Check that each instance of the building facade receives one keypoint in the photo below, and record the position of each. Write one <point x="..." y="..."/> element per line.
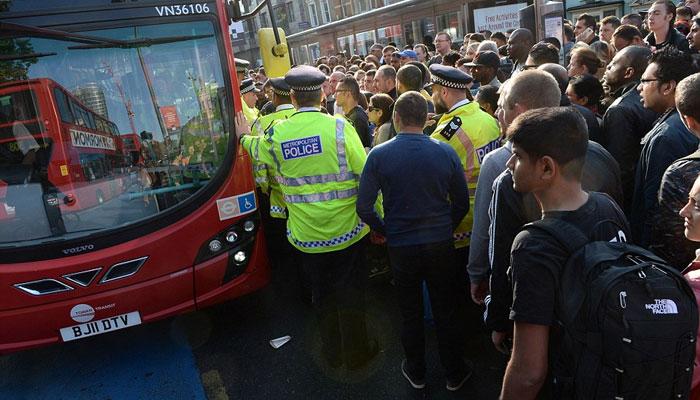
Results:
<point x="601" y="9"/>
<point x="317" y="28"/>
<point x="405" y="22"/>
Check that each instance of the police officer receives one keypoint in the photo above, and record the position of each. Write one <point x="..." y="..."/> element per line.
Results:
<point x="468" y="129"/>
<point x="248" y="99"/>
<point x="242" y="66"/>
<point x="275" y="227"/>
<point x="318" y="159"/>
<point x="283" y="109"/>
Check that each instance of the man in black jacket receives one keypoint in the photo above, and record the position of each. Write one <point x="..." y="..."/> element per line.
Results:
<point x="626" y="121"/>
<point x="667" y="141"/>
<point x="660" y="19"/>
<point x="667" y="238"/>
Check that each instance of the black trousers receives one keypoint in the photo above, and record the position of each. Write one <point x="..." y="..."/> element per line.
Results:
<point x="435" y="264"/>
<point x="338" y="285"/>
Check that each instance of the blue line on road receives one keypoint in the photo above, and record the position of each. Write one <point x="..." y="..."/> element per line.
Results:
<point x="146" y="362"/>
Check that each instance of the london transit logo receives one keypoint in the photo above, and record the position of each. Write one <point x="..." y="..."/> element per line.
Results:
<point x="82" y="313"/>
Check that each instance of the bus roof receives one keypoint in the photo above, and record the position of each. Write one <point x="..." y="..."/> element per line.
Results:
<point x="34" y="81"/>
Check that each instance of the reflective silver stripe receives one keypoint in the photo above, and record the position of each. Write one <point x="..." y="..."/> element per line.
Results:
<point x="257" y="148"/>
<point x="260" y="167"/>
<point x="316" y="197"/>
<point x="247" y="142"/>
<point x="272" y="152"/>
<point x="261" y="179"/>
<point x="313" y="179"/>
<point x="340" y="144"/>
<point x="256" y="127"/>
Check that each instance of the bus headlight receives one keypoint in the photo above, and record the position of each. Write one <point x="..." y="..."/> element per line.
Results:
<point x="215" y="245"/>
<point x="231" y="236"/>
<point x="248" y="226"/>
<point x="239" y="257"/>
<point x="237" y="237"/>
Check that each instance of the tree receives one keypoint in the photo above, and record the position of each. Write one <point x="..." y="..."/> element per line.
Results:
<point x="17" y="69"/>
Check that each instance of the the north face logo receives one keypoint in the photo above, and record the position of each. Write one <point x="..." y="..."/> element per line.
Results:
<point x="662" y="306"/>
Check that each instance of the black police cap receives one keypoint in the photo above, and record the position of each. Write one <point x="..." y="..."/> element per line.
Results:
<point x="241" y="64"/>
<point x="280" y="87"/>
<point x="305" y="78"/>
<point x="450" y="77"/>
<point x="248" y="85"/>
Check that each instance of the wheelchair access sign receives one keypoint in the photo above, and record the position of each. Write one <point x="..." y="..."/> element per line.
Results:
<point x="231" y="207"/>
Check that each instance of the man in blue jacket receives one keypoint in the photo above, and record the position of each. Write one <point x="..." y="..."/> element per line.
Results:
<point x="425" y="197"/>
<point x="666" y="142"/>
<point x="667" y="239"/>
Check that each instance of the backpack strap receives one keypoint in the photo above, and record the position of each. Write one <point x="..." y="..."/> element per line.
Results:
<point x="571" y="239"/>
<point x="569" y="236"/>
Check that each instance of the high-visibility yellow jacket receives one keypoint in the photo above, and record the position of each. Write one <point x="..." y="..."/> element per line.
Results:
<point x="426" y="95"/>
<point x="477" y="135"/>
<point x="251" y="114"/>
<point x="264" y="177"/>
<point x="317" y="161"/>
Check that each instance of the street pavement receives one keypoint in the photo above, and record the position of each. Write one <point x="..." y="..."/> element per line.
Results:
<point x="223" y="353"/>
<point x="152" y="361"/>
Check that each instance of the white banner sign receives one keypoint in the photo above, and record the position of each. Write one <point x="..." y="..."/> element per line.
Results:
<point x="498" y="19"/>
<point x="236" y="29"/>
<point x="91" y="140"/>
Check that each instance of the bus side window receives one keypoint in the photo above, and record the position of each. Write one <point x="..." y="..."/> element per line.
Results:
<point x="90" y="119"/>
<point x="85" y="117"/>
<point x="6" y="110"/>
<point x="63" y="107"/>
<point x="100" y="125"/>
<point x="113" y="128"/>
<point x="77" y="111"/>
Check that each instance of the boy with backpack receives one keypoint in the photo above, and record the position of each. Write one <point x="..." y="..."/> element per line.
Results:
<point x="601" y="318"/>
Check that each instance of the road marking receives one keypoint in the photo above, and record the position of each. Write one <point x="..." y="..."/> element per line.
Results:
<point x="214" y="385"/>
<point x="152" y="361"/>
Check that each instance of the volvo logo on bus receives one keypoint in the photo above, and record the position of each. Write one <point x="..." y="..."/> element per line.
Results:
<point x="79" y="249"/>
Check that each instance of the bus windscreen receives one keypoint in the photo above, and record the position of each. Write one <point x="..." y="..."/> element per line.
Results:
<point x="99" y="136"/>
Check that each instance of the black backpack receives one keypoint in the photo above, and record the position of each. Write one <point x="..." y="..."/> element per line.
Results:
<point x="628" y="321"/>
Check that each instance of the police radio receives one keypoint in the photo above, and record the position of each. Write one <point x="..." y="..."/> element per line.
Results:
<point x="451" y="128"/>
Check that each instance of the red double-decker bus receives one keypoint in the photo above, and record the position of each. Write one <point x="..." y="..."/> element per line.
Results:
<point x="83" y="153"/>
<point x="101" y="231"/>
<point x="132" y="148"/>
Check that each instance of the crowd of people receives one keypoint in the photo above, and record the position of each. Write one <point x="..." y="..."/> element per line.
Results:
<point x="461" y="159"/>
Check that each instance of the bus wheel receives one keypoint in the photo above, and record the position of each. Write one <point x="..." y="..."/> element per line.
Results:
<point x="100" y="197"/>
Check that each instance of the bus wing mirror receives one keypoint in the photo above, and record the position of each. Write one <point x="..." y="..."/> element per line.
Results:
<point x="235" y="12"/>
